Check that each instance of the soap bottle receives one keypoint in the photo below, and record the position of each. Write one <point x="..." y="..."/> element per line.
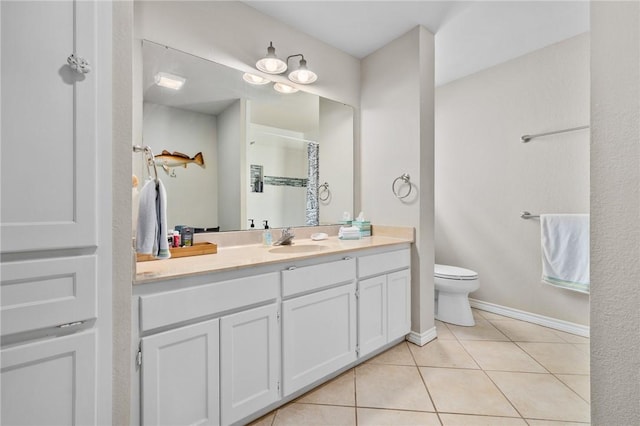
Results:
<point x="266" y="235"/>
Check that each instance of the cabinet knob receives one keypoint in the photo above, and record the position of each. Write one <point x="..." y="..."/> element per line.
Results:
<point x="291" y="268"/>
<point x="347" y="258"/>
<point x="78" y="64"/>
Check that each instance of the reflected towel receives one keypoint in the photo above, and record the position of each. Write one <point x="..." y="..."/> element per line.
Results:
<point x="151" y="234"/>
<point x="565" y="250"/>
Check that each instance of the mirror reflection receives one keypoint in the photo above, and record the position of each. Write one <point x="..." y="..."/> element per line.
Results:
<point x="231" y="153"/>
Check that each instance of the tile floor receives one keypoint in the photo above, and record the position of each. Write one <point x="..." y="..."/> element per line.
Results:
<point x="500" y="372"/>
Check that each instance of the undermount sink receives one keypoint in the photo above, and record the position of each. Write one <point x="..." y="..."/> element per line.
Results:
<point x="298" y="248"/>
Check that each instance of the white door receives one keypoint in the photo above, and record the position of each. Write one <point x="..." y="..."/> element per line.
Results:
<point x="249" y="362"/>
<point x="49" y="125"/>
<point x="319" y="335"/>
<point x="180" y="376"/>
<point x="50" y="382"/>
<point x="372" y="314"/>
<point x="398" y="304"/>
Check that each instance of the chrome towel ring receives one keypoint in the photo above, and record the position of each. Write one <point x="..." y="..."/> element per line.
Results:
<point x="406" y="179"/>
<point x="323" y="192"/>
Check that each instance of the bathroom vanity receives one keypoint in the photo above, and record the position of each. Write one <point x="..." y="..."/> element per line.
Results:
<point x="225" y="338"/>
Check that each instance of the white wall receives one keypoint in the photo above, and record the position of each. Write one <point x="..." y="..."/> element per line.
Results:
<point x="615" y="213"/>
<point x="485" y="176"/>
<point x="336" y="135"/>
<point x="231" y="137"/>
<point x="397" y="138"/>
<point x="193" y="194"/>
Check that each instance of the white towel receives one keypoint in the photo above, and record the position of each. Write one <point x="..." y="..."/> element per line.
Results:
<point x="349" y="233"/>
<point x="565" y="250"/>
<point x="151" y="235"/>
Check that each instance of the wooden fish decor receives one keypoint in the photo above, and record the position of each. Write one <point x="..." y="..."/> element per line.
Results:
<point x="168" y="160"/>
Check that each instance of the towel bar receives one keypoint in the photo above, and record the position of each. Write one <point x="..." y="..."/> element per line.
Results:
<point x="526" y="215"/>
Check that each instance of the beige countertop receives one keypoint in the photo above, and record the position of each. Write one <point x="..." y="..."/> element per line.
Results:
<point x="237" y="257"/>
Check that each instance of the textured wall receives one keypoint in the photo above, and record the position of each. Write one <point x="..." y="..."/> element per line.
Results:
<point x="397" y="138"/>
<point x="615" y="213"/>
<point x="485" y="176"/>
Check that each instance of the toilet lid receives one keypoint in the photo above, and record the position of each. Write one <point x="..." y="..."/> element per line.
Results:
<point x="454" y="273"/>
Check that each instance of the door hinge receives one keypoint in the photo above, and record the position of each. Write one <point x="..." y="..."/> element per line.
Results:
<point x="278" y="316"/>
<point x="357" y="294"/>
<point x="278" y="385"/>
<point x="357" y="350"/>
<point x="139" y="357"/>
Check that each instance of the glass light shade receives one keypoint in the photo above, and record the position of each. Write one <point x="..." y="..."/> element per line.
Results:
<point x="303" y="75"/>
<point x="170" y="81"/>
<point x="254" y="79"/>
<point x="271" y="64"/>
<point x="284" y="88"/>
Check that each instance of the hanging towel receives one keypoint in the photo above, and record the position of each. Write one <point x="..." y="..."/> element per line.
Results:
<point x="565" y="250"/>
<point x="151" y="235"/>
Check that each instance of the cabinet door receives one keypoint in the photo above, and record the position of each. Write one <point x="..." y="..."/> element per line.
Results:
<point x="51" y="382"/>
<point x="49" y="115"/>
<point x="398" y="304"/>
<point x="319" y="335"/>
<point x="180" y="376"/>
<point x="249" y="361"/>
<point x="372" y="314"/>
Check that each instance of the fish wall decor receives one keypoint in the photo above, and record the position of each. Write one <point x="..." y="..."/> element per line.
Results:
<point x="168" y="160"/>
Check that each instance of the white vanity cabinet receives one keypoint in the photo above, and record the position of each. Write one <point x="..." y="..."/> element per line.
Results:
<point x="180" y="376"/>
<point x="319" y="321"/>
<point x="249" y="362"/>
<point x="384" y="299"/>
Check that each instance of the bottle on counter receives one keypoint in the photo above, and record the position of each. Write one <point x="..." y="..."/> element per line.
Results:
<point x="267" y="238"/>
<point x="176" y="239"/>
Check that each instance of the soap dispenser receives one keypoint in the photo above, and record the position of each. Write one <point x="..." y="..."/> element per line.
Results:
<point x="266" y="235"/>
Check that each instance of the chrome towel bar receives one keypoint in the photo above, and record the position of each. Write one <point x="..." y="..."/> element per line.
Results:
<point x="526" y="215"/>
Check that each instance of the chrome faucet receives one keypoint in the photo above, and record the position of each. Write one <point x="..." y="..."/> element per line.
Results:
<point x="285" y="238"/>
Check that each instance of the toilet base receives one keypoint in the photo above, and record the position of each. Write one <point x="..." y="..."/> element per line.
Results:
<point x="454" y="308"/>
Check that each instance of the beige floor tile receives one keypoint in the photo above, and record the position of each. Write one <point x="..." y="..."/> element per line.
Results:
<point x="468" y="420"/>
<point x="391" y="386"/>
<point x="442" y="353"/>
<point x="483" y="330"/>
<point x="491" y="316"/>
<point x="465" y="392"/>
<point x="501" y="356"/>
<point x="443" y="332"/>
<point x="381" y="417"/>
<point x="579" y="383"/>
<point x="560" y="358"/>
<point x="520" y="331"/>
<point x="397" y="355"/>
<point x="572" y="338"/>
<point x="312" y="414"/>
<point x="553" y="423"/>
<point x="541" y="396"/>
<point x="339" y="391"/>
<point x="264" y="420"/>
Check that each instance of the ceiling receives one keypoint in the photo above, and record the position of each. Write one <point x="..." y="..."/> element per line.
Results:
<point x="469" y="35"/>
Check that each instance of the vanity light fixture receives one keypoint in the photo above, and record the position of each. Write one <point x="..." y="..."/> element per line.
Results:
<point x="302" y="75"/>
<point x="271" y="64"/>
<point x="170" y="81"/>
<point x="254" y="79"/>
<point x="284" y="88"/>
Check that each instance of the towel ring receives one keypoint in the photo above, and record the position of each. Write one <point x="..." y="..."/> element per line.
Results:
<point x="407" y="180"/>
<point x="323" y="192"/>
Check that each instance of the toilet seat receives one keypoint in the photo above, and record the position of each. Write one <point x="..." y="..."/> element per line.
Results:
<point x="448" y="272"/>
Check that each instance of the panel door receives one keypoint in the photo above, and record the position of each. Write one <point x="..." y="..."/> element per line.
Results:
<point x="249" y="361"/>
<point x="372" y="314"/>
<point x="398" y="304"/>
<point x="319" y="335"/>
<point x="50" y="382"/>
<point x="180" y="376"/>
<point x="49" y="131"/>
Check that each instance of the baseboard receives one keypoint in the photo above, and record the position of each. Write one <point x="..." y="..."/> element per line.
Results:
<point x="422" y="339"/>
<point x="556" y="324"/>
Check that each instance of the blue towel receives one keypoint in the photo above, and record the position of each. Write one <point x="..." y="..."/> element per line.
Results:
<point x="151" y="233"/>
<point x="565" y="250"/>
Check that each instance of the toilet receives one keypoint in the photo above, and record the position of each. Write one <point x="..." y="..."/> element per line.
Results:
<point x="453" y="285"/>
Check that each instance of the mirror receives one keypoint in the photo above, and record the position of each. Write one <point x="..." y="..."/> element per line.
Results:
<point x="228" y="151"/>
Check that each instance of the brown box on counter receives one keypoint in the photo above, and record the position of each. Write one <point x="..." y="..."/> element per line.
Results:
<point x="194" y="250"/>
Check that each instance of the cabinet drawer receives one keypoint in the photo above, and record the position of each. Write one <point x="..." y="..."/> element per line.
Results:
<point x="315" y="277"/>
<point x="47" y="292"/>
<point x="158" y="310"/>
<point x="384" y="262"/>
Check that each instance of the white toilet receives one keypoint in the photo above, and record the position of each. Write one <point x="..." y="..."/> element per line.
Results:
<point x="453" y="286"/>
